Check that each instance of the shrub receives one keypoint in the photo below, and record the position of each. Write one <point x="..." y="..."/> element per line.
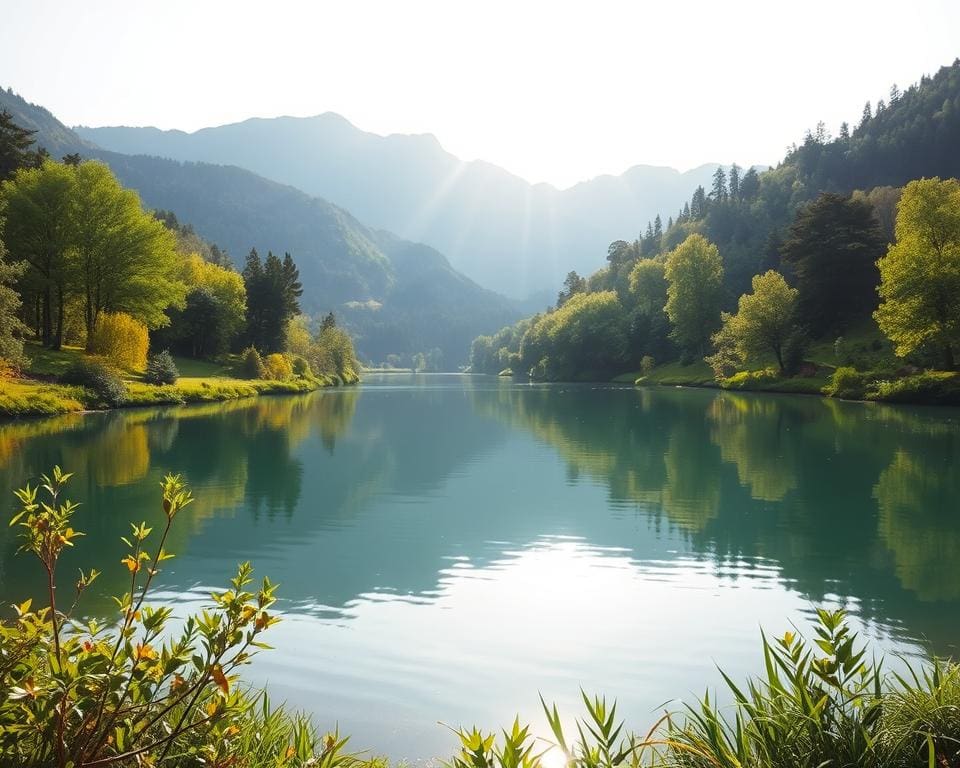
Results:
<point x="750" y="379"/>
<point x="794" y="348"/>
<point x="824" y="703"/>
<point x="251" y="365"/>
<point x="121" y="339"/>
<point x="647" y="364"/>
<point x="277" y="367"/>
<point x="927" y="388"/>
<point x="161" y="369"/>
<point x="301" y="367"/>
<point x="99" y="377"/>
<point x="137" y="691"/>
<point x="847" y="383"/>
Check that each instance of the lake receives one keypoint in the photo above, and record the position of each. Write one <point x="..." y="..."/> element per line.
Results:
<point x="450" y="546"/>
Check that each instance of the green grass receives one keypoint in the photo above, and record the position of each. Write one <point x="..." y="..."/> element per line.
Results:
<point x="201" y="381"/>
<point x="33" y="398"/>
<point x="47" y="362"/>
<point x="673" y="374"/>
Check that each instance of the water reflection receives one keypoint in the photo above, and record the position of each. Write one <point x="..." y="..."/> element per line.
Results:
<point x="449" y="546"/>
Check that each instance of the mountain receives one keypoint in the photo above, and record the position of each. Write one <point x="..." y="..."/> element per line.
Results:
<point x="507" y="234"/>
<point x="396" y="297"/>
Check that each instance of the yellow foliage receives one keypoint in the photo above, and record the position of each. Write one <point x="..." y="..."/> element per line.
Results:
<point x="277" y="367"/>
<point x="297" y="337"/>
<point x="122" y="340"/>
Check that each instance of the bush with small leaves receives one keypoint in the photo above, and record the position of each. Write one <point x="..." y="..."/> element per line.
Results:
<point x="251" y="364"/>
<point x="277" y="367"/>
<point x="301" y="367"/>
<point x="137" y="691"/>
<point x="161" y="369"/>
<point x="98" y="376"/>
<point x="121" y="339"/>
<point x="847" y="383"/>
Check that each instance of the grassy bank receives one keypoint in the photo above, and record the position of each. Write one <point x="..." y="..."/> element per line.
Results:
<point x="862" y="362"/>
<point x="38" y="394"/>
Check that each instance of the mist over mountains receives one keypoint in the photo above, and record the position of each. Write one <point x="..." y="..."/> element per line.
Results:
<point x="514" y="237"/>
<point x="394" y="296"/>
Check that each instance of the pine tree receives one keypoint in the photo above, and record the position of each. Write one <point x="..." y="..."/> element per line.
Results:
<point x="844" y="131"/>
<point x="866" y="117"/>
<point x="735" y="181"/>
<point x="718" y="192"/>
<point x="15" y="145"/>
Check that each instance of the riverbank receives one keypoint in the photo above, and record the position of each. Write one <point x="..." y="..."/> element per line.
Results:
<point x="37" y="393"/>
<point x="844" y="383"/>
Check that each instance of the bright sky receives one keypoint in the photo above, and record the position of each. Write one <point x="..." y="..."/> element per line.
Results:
<point x="553" y="91"/>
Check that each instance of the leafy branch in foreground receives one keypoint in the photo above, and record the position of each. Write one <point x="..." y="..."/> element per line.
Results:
<point x="137" y="692"/>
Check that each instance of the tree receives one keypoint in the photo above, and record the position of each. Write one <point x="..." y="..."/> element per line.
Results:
<point x="273" y="292"/>
<point x="648" y="285"/>
<point x="718" y="192"/>
<point x="122" y="258"/>
<point x="764" y="321"/>
<point x="832" y="248"/>
<point x="15" y="145"/>
<point x="694" y="272"/>
<point x="698" y="203"/>
<point x="735" y="181"/>
<point x="572" y="284"/>
<point x="920" y="275"/>
<point x="750" y="184"/>
<point x="588" y="334"/>
<point x="39" y="231"/>
<point x="225" y="299"/>
<point x="865" y="118"/>
<point x="11" y="329"/>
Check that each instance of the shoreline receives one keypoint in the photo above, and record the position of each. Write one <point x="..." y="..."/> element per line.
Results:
<point x="36" y="399"/>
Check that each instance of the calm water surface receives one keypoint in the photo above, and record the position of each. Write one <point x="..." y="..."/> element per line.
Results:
<point x="449" y="546"/>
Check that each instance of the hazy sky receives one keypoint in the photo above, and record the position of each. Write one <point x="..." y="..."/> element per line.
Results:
<point x="553" y="91"/>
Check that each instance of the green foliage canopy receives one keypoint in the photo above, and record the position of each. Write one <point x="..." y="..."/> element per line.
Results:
<point x="694" y="272"/>
<point x="920" y="275"/>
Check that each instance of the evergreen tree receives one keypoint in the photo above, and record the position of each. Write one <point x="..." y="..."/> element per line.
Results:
<point x="832" y="249"/>
<point x="865" y="117"/>
<point x="572" y="285"/>
<point x="718" y="192"/>
<point x="735" y="181"/>
<point x="15" y="143"/>
<point x="844" y="131"/>
<point x="698" y="204"/>
<point x="273" y="292"/>
<point x="750" y="184"/>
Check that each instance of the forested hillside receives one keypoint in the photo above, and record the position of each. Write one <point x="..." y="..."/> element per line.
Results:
<point x="507" y="234"/>
<point x="757" y="267"/>
<point x="391" y="308"/>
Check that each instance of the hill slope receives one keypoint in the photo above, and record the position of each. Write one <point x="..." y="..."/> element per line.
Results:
<point x="500" y="230"/>
<point x="397" y="297"/>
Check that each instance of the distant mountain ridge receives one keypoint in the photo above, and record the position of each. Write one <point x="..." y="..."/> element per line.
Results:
<point x="507" y="234"/>
<point x="396" y="297"/>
